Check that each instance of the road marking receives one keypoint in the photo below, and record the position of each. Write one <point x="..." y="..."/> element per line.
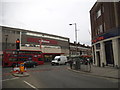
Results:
<point x="30" y="85"/>
<point x="10" y="79"/>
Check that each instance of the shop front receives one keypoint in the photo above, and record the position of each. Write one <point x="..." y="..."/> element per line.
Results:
<point x="106" y="49"/>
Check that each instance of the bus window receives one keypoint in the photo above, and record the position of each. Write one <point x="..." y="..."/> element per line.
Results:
<point x="13" y="59"/>
<point x="23" y="59"/>
<point x="40" y="59"/>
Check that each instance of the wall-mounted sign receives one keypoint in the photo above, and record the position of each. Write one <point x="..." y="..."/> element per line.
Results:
<point x="98" y="39"/>
<point x="112" y="33"/>
<point x="38" y="40"/>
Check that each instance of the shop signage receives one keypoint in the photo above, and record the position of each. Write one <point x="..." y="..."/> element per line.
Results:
<point x="37" y="40"/>
<point x="98" y="39"/>
<point x="112" y="33"/>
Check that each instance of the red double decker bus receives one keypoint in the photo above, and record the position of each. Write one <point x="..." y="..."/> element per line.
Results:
<point x="12" y="56"/>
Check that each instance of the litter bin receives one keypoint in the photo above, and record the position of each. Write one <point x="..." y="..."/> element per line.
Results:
<point x="77" y="64"/>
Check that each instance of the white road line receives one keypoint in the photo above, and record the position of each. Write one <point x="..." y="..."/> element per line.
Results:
<point x="10" y="79"/>
<point x="30" y="85"/>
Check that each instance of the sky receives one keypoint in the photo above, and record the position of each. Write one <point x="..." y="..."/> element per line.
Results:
<point x="49" y="16"/>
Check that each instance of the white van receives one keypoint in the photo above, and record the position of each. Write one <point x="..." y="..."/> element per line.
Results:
<point x="59" y="60"/>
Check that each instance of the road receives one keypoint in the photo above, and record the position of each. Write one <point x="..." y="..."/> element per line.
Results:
<point x="47" y="76"/>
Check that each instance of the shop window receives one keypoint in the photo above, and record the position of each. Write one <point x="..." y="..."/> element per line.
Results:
<point x="40" y="59"/>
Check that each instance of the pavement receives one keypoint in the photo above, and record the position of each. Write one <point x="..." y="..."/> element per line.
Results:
<point x="108" y="72"/>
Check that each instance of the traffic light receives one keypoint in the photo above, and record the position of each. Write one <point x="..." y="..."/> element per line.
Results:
<point x="17" y="44"/>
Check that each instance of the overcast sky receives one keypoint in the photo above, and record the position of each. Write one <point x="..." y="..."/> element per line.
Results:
<point x="49" y="16"/>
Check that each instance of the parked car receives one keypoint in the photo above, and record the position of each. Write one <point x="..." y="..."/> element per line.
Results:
<point x="30" y="64"/>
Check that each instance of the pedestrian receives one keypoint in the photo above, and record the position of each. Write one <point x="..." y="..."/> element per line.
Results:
<point x="89" y="63"/>
<point x="71" y="63"/>
<point x="86" y="61"/>
<point x="91" y="60"/>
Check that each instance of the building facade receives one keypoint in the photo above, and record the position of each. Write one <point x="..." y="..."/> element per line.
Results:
<point x="50" y="45"/>
<point x="105" y="28"/>
<point x="79" y="49"/>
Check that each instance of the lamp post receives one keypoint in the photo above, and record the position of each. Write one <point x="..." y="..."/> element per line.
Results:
<point x="75" y="34"/>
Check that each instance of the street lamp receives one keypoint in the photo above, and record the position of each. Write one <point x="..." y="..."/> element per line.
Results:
<point x="75" y="34"/>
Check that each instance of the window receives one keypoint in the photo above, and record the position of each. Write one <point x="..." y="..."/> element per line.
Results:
<point x="24" y="33"/>
<point x="6" y="31"/>
<point x="99" y="29"/>
<point x="13" y="32"/>
<point x="40" y="59"/>
<point x="46" y="36"/>
<point x="13" y="59"/>
<point x="10" y="51"/>
<point x="98" y="46"/>
<point x="17" y="32"/>
<point x="99" y="13"/>
<point x="52" y="46"/>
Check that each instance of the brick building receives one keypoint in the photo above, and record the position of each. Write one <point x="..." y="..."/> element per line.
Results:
<point x="105" y="28"/>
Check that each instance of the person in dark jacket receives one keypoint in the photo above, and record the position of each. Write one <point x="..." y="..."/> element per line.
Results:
<point x="71" y="63"/>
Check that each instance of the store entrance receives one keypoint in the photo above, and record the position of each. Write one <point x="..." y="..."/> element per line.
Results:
<point x="98" y="58"/>
<point x="109" y="53"/>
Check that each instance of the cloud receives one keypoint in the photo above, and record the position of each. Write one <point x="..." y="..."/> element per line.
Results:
<point x="49" y="16"/>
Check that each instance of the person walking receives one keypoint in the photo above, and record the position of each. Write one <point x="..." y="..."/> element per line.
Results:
<point x="71" y="63"/>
